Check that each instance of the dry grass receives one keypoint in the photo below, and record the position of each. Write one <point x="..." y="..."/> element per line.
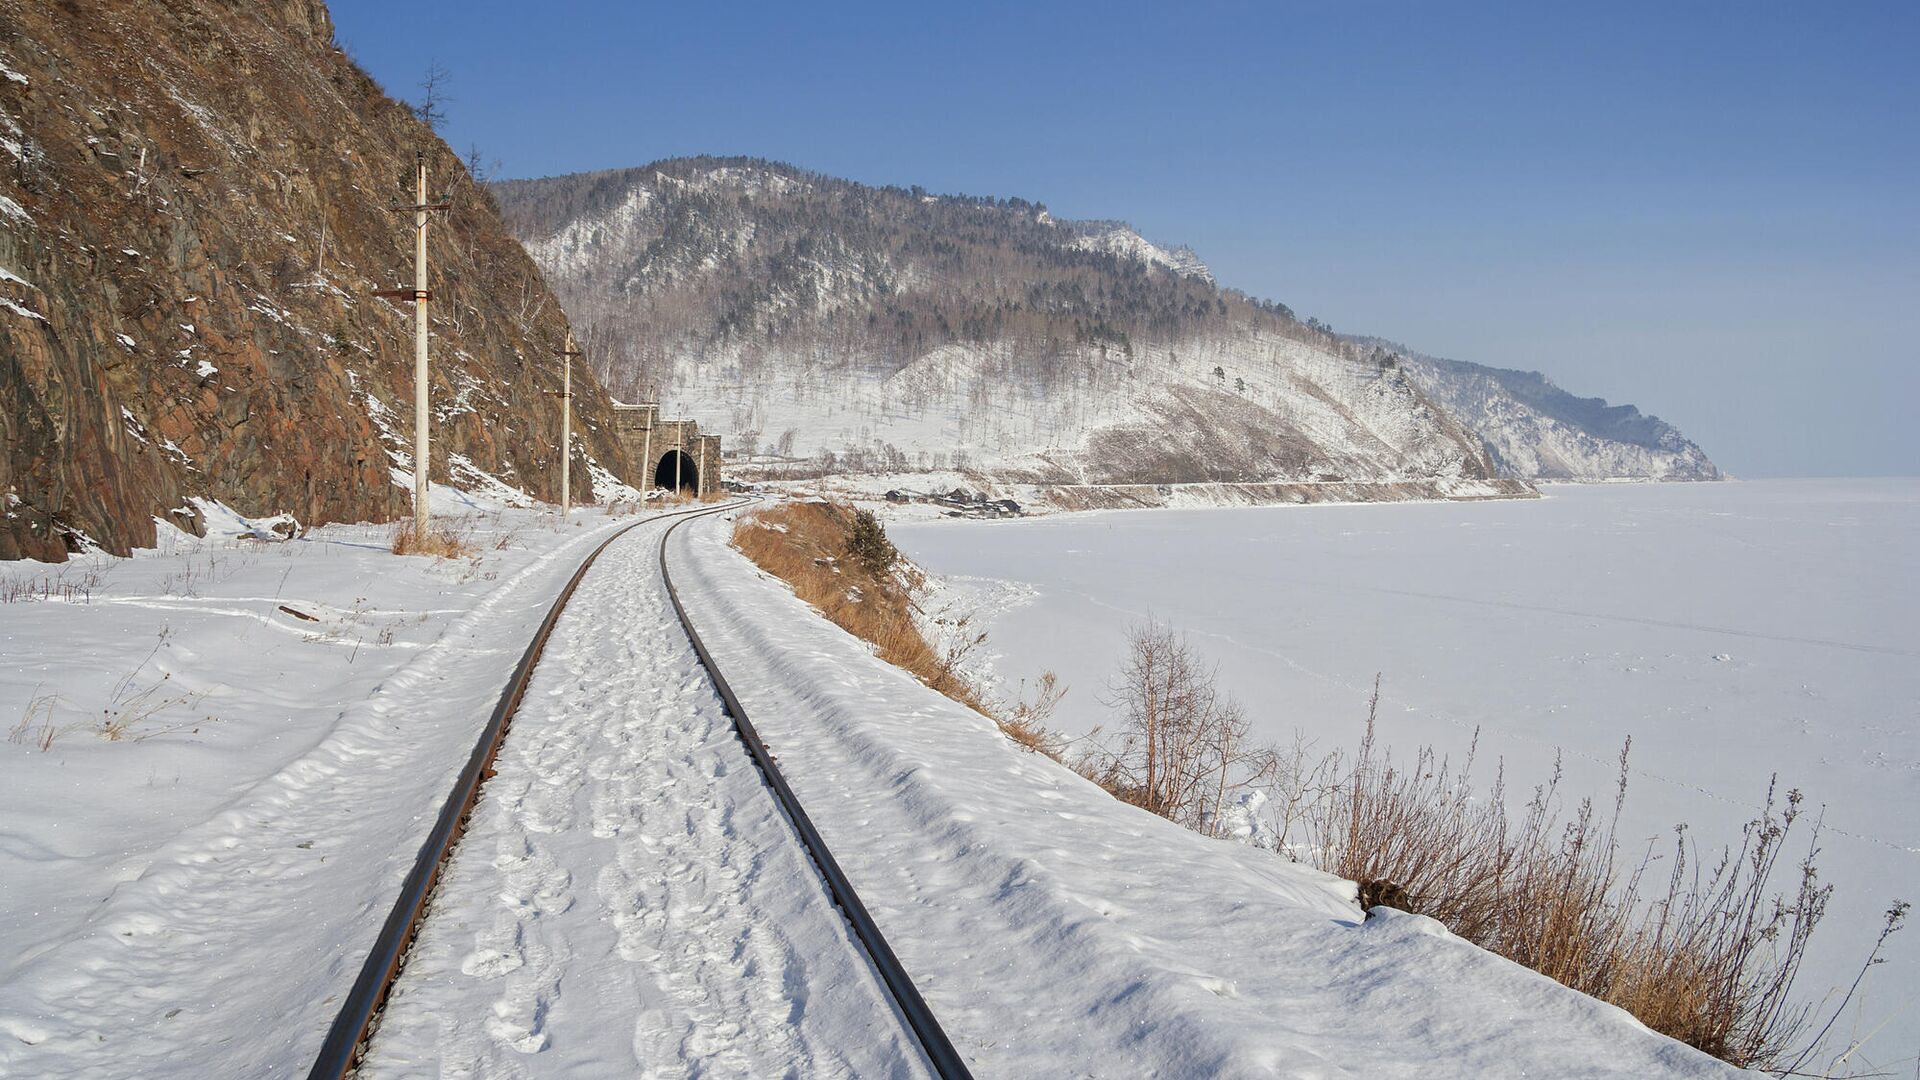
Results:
<point x="1708" y="957"/>
<point x="839" y="560"/>
<point x="440" y="541"/>
<point x="36" y="727"/>
<point x="71" y="583"/>
<point x="805" y="544"/>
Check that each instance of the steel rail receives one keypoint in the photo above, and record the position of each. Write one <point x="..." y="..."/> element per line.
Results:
<point x="354" y="1024"/>
<point x="924" y="1026"/>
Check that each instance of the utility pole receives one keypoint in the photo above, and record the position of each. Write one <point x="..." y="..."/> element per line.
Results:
<point x="566" y="426"/>
<point x="679" y="455"/>
<point x="419" y="294"/>
<point x="700" y="477"/>
<point x="647" y="478"/>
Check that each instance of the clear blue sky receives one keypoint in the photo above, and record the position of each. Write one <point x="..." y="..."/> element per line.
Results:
<point x="1708" y="210"/>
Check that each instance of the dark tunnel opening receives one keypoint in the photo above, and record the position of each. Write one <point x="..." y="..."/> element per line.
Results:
<point x="663" y="474"/>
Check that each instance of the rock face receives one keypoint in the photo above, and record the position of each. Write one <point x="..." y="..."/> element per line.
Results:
<point x="1537" y="431"/>
<point x="193" y="215"/>
<point x="892" y="329"/>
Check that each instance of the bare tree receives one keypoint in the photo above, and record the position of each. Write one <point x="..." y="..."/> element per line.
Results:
<point x="432" y="110"/>
<point x="1182" y="750"/>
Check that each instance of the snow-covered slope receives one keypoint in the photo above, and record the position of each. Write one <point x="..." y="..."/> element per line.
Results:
<point x="1118" y="238"/>
<point x="1058" y="932"/>
<point x="898" y="330"/>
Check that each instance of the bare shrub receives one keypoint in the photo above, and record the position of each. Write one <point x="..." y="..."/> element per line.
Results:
<point x="441" y="541"/>
<point x="1025" y="722"/>
<point x="1709" y="960"/>
<point x="1182" y="750"/>
<point x="1709" y="957"/>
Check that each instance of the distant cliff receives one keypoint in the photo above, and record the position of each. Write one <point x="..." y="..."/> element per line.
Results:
<point x="1538" y="431"/>
<point x="193" y="214"/>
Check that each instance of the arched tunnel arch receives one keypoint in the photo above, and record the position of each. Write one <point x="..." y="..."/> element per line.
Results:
<point x="663" y="474"/>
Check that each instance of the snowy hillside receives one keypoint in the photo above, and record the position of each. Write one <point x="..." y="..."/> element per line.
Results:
<point x="899" y="331"/>
<point x="903" y="331"/>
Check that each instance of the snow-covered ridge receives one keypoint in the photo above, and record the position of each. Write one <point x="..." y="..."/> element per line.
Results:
<point x="1119" y="238"/>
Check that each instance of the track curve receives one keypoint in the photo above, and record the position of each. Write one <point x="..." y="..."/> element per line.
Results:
<point x="920" y="1020"/>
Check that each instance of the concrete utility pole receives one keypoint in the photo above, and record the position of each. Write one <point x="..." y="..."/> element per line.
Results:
<point x="647" y="478"/>
<point x="422" y="451"/>
<point x="566" y="426"/>
<point x="419" y="294"/>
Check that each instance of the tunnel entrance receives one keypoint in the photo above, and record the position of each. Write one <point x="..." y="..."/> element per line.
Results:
<point x="663" y="474"/>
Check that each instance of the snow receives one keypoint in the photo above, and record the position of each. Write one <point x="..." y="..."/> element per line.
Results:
<point x="629" y="897"/>
<point x="1734" y="630"/>
<point x="190" y="898"/>
<point x="1117" y="239"/>
<point x="186" y="900"/>
<point x="12" y="76"/>
<point x="23" y="312"/>
<point x="1057" y="932"/>
<point x="9" y="208"/>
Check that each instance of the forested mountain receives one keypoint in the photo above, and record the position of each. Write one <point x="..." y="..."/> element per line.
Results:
<point x="194" y="212"/>
<point x="898" y="329"/>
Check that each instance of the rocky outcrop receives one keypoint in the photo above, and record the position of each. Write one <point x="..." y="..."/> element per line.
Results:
<point x="1537" y="431"/>
<point x="193" y="216"/>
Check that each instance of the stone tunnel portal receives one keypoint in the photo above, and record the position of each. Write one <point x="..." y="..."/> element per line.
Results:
<point x="689" y="475"/>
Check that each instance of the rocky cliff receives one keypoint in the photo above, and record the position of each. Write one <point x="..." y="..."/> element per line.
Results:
<point x="194" y="212"/>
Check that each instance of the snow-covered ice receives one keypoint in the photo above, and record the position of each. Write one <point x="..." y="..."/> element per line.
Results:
<point x="1733" y="630"/>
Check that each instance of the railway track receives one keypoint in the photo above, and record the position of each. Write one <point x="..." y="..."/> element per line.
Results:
<point x="358" y="1018"/>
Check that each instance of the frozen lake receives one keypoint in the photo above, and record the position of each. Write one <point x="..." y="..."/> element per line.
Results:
<point x="1734" y="630"/>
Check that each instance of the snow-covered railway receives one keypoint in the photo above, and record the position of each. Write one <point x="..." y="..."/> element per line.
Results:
<point x="716" y="934"/>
